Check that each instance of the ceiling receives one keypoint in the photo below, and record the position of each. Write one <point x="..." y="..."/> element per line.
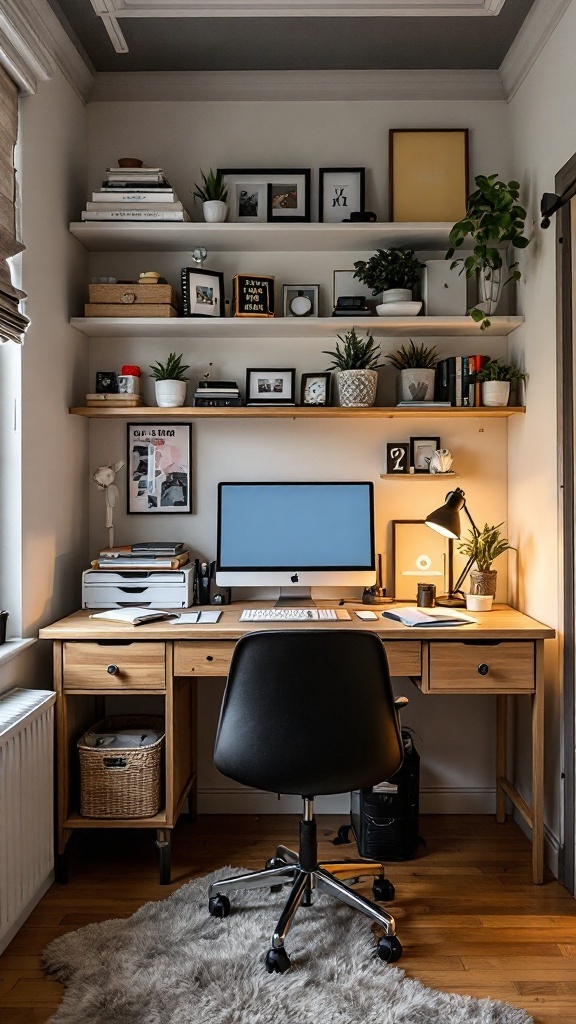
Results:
<point x="171" y="35"/>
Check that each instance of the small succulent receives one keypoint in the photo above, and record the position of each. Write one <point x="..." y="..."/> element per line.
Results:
<point x="172" y="369"/>
<point x="213" y="187"/>
<point x="356" y="353"/>
<point x="495" y="370"/>
<point x="485" y="546"/>
<point x="389" y="268"/>
<point x="414" y="357"/>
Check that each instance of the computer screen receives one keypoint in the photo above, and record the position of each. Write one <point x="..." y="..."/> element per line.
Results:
<point x="296" y="534"/>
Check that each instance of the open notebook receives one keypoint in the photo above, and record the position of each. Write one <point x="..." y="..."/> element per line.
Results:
<point x="431" y="617"/>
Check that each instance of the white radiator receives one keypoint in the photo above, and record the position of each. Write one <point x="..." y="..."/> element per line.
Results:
<point x="26" y="804"/>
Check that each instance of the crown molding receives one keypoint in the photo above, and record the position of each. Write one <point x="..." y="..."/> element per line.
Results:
<point x="539" y="25"/>
<point x="186" y="86"/>
<point x="33" y="43"/>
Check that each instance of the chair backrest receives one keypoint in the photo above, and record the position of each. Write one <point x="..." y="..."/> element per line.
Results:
<point x="309" y="711"/>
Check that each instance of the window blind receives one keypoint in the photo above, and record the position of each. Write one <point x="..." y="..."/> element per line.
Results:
<point x="13" y="323"/>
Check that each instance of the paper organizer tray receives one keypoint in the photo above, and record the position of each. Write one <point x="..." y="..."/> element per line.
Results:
<point x="108" y="588"/>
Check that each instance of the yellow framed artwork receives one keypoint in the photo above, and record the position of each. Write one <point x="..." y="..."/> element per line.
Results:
<point x="428" y="174"/>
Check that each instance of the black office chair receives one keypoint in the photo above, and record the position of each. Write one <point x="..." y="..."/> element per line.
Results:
<point x="309" y="712"/>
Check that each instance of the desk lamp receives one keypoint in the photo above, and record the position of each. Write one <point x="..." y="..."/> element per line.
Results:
<point x="446" y="521"/>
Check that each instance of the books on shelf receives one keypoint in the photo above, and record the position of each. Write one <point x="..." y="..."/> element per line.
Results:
<point x="145" y="547"/>
<point x="123" y="206"/>
<point x="131" y="213"/>
<point x="423" y="405"/>
<point x="141" y="562"/>
<point x="215" y="393"/>
<point x="134" y="195"/>
<point x="456" y="380"/>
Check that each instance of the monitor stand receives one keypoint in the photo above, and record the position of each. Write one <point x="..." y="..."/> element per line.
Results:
<point x="294" y="597"/>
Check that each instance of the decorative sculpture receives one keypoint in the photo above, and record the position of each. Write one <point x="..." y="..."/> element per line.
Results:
<point x="104" y="478"/>
<point x="440" y="461"/>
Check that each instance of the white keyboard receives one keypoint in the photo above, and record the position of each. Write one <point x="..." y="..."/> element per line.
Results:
<point x="293" y="614"/>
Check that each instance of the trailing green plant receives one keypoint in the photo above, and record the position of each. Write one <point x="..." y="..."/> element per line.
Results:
<point x="414" y="357"/>
<point x="495" y="370"/>
<point x="485" y="546"/>
<point x="493" y="215"/>
<point x="389" y="268"/>
<point x="213" y="187"/>
<point x="356" y="354"/>
<point x="172" y="369"/>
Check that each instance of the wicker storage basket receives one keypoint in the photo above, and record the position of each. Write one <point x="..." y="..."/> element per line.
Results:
<point x="121" y="782"/>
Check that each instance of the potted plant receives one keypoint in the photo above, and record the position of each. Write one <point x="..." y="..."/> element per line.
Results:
<point x="493" y="216"/>
<point x="394" y="273"/>
<point x="497" y="379"/>
<point x="416" y="364"/>
<point x="213" y="194"/>
<point x="169" y="381"/>
<point x="356" y="364"/>
<point x="484" y="546"/>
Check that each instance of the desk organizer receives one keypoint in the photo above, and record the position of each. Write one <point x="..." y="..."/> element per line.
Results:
<point x="119" y="781"/>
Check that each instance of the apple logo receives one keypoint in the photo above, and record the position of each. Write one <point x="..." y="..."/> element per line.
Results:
<point x="294" y="578"/>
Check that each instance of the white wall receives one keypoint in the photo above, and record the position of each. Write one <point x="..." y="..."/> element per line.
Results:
<point x="455" y="736"/>
<point x="542" y="117"/>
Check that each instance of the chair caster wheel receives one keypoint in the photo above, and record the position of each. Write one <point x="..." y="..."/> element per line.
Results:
<point x="277" y="961"/>
<point x="219" y="906"/>
<point x="275" y="862"/>
<point x="383" y="890"/>
<point x="389" y="949"/>
<point x="275" y="888"/>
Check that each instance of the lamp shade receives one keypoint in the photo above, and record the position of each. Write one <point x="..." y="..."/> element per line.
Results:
<point x="446" y="519"/>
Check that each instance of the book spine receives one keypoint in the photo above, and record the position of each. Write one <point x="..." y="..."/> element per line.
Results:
<point x="185" y="295"/>
<point x="128" y="207"/>
<point x="451" y="365"/>
<point x="204" y="403"/>
<point x="458" y="381"/>
<point x="478" y="362"/>
<point x="134" y="215"/>
<point x="126" y="195"/>
<point x="465" y="380"/>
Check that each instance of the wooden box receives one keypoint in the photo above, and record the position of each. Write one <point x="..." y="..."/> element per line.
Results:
<point x="137" y="309"/>
<point x="128" y="294"/>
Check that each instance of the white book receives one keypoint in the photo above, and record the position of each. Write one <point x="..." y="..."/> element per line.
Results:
<point x="128" y="171"/>
<point x="129" y="214"/>
<point x="133" y="616"/>
<point x="411" y="616"/>
<point x="111" y="204"/>
<point x="127" y="195"/>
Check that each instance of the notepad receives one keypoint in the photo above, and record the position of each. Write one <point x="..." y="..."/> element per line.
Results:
<point x="183" y="618"/>
<point x="133" y="616"/>
<point x="431" y="617"/>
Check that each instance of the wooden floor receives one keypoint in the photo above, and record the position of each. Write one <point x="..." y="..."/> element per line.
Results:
<point x="468" y="916"/>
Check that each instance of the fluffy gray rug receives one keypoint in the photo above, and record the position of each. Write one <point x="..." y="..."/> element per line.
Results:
<point x="171" y="963"/>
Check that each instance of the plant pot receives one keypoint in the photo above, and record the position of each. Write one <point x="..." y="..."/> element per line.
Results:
<point x="397" y="295"/>
<point x="357" y="388"/>
<point x="479" y="602"/>
<point x="417" y="385"/>
<point x="170" y="393"/>
<point x="495" y="392"/>
<point x="215" y="211"/>
<point x="489" y="290"/>
<point x="483" y="581"/>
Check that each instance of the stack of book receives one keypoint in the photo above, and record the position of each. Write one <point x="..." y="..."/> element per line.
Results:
<point x="456" y="380"/>
<point x="147" y="555"/>
<point x="217" y="393"/>
<point x="135" y="193"/>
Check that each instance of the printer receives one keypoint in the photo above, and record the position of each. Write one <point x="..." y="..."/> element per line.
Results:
<point x="125" y="588"/>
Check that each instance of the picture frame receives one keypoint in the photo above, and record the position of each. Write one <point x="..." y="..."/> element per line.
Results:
<point x="315" y="388"/>
<point x="344" y="283"/>
<point x="422" y="448"/>
<point x="252" y="296"/>
<point x="341" y="191"/>
<point x="270" y="386"/>
<point x="397" y="458"/>
<point x="300" y="300"/>
<point x="202" y="292"/>
<point x="159" y="468"/>
<point x="259" y="195"/>
<point x="428" y="174"/>
<point x="419" y="555"/>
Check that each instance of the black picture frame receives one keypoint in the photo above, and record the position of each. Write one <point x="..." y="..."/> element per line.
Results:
<point x="150" y="490"/>
<point x="308" y="379"/>
<point x="259" y="394"/>
<point x="420" y="448"/>
<point x="259" y="205"/>
<point x="340" y="190"/>
<point x="197" y="282"/>
<point x="397" y="458"/>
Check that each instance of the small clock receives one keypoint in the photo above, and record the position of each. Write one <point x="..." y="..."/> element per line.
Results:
<point x="315" y="389"/>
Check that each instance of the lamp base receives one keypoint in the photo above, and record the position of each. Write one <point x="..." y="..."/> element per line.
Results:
<point x="451" y="601"/>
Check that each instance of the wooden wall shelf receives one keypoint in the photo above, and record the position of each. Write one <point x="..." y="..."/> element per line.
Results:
<point x="291" y="412"/>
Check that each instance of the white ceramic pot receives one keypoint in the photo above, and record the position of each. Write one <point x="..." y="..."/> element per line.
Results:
<point x="170" y="393"/>
<point x="215" y="211"/>
<point x="397" y="295"/>
<point x="398" y="308"/>
<point x="479" y="602"/>
<point x="495" y="392"/>
<point x="357" y="388"/>
<point x="417" y="385"/>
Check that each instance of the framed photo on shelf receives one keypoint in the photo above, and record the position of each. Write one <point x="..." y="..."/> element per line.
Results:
<point x="315" y="388"/>
<point x="397" y="457"/>
<point x="428" y="174"/>
<point x="422" y="448"/>
<point x="270" y="386"/>
<point x="202" y="292"/>
<point x="159" y="465"/>
<point x="300" y="299"/>
<point x="419" y="555"/>
<point x="341" y="191"/>
<point x="267" y="194"/>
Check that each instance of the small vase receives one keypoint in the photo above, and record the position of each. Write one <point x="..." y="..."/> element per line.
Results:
<point x="417" y="385"/>
<point x="483" y="581"/>
<point x="397" y="295"/>
<point x="170" y="393"/>
<point x="495" y="392"/>
<point x="489" y="290"/>
<point x="357" y="388"/>
<point x="215" y="211"/>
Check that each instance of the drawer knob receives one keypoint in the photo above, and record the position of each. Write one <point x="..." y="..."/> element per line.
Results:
<point x="112" y="669"/>
<point x="483" y="669"/>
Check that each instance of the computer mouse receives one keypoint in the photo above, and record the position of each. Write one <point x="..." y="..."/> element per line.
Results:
<point x="366" y="615"/>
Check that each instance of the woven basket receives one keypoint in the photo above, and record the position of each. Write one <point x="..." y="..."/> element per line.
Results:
<point x="123" y="782"/>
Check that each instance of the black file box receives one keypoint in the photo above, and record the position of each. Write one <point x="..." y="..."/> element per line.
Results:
<point x="385" y="822"/>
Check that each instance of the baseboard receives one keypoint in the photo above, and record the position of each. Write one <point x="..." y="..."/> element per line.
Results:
<point x="432" y="801"/>
<point x="7" y="937"/>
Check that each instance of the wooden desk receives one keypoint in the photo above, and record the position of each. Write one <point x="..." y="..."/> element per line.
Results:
<point x="501" y="654"/>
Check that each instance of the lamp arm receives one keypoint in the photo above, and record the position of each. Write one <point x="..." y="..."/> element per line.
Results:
<point x="470" y="562"/>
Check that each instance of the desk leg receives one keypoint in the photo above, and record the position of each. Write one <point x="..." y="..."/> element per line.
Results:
<point x="538" y="767"/>
<point x="501" y="755"/>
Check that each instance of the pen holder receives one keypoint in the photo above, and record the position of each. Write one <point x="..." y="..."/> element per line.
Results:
<point x="219" y="595"/>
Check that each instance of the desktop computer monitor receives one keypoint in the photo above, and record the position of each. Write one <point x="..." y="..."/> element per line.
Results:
<point x="296" y="534"/>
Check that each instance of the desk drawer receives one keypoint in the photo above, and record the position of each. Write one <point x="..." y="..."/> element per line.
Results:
<point x="202" y="657"/>
<point x="404" y="657"/>
<point x="505" y="667"/>
<point x="136" y="666"/>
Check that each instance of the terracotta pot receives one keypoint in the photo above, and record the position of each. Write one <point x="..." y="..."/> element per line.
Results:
<point x="483" y="581"/>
